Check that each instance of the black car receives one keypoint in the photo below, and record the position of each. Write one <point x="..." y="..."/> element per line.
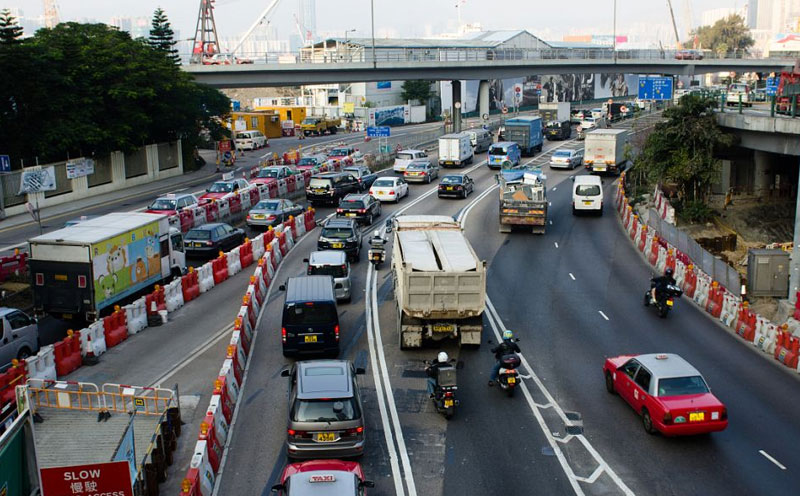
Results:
<point x="341" y="234"/>
<point x="363" y="208"/>
<point x="209" y="239"/>
<point x="330" y="187"/>
<point x="458" y="185"/>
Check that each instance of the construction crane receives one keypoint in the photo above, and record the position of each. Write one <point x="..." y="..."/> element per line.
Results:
<point x="260" y="20"/>
<point x="305" y="35"/>
<point x="674" y="25"/>
<point x="206" y="41"/>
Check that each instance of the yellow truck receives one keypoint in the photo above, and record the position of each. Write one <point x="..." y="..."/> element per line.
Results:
<point x="319" y="125"/>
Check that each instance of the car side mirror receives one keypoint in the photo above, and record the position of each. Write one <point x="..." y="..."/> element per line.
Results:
<point x="277" y="487"/>
<point x="572" y="178"/>
<point x="305" y="260"/>
<point x="285" y="373"/>
<point x="366" y="483"/>
<point x="282" y="287"/>
<point x="360" y="371"/>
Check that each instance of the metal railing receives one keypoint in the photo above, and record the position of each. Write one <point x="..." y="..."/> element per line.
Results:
<point x="86" y="396"/>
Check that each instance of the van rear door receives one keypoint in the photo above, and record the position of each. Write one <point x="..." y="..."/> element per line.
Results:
<point x="311" y="326"/>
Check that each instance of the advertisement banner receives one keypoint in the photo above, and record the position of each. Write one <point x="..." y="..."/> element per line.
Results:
<point x="37" y="181"/>
<point x="349" y="108"/>
<point x="388" y="116"/>
<point x="384" y="85"/>
<point x="126" y="452"/>
<point x="14" y="456"/>
<point x="99" y="478"/>
<point x="79" y="167"/>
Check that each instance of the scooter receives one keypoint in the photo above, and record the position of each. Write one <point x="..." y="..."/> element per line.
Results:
<point x="377" y="255"/>
<point x="665" y="301"/>
<point x="444" y="391"/>
<point x="508" y="377"/>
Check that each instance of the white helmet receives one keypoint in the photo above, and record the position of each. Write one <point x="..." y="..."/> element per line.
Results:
<point x="377" y="233"/>
<point x="442" y="357"/>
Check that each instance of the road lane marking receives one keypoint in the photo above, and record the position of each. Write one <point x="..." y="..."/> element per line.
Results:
<point x="571" y="276"/>
<point x="773" y="460"/>
<point x="555" y="243"/>
<point x="18" y="245"/>
<point x="194" y="354"/>
<point x="554" y="188"/>
<point x="604" y="315"/>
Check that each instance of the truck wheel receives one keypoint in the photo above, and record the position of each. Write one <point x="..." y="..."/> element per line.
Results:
<point x="333" y="130"/>
<point x="399" y="328"/>
<point x="23" y="353"/>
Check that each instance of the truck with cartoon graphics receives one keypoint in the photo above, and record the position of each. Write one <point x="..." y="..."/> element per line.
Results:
<point x="81" y="270"/>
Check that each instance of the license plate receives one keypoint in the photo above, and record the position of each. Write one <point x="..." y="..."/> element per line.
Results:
<point x="670" y="302"/>
<point x="587" y="203"/>
<point x="351" y="215"/>
<point x="600" y="169"/>
<point x="449" y="188"/>
<point x="60" y="277"/>
<point x="258" y="216"/>
<point x="197" y="245"/>
<point x="311" y="339"/>
<point x="512" y="380"/>
<point x="442" y="328"/>
<point x="325" y="437"/>
<point x="337" y="245"/>
<point x="318" y="190"/>
<point x="697" y="416"/>
<point x="448" y="403"/>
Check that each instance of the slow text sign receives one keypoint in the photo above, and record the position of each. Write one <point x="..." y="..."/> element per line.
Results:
<point x="113" y="478"/>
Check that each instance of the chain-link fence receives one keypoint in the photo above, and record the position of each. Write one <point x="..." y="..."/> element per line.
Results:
<point x="706" y="261"/>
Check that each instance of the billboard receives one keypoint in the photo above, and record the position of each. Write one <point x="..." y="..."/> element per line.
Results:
<point x="36" y="181"/>
<point x="388" y="116"/>
<point x="384" y="85"/>
<point x="79" y="167"/>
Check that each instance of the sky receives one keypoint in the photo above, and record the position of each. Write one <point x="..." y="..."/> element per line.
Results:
<point x="407" y="18"/>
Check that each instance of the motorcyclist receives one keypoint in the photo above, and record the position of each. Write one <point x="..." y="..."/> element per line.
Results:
<point x="506" y="347"/>
<point x="432" y="370"/>
<point x="659" y="284"/>
<point x="377" y="240"/>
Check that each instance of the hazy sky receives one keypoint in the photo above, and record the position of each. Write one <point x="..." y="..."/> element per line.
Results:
<point x="406" y="18"/>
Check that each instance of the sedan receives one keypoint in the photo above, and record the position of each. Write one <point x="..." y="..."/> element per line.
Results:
<point x="689" y="55"/>
<point x="389" y="189"/>
<point x="268" y="213"/>
<point x="670" y="395"/>
<point x="267" y="175"/>
<point x="566" y="158"/>
<point x="421" y="171"/>
<point x="222" y="189"/>
<point x="209" y="239"/>
<point x="323" y="477"/>
<point x="363" y="208"/>
<point x="458" y="185"/>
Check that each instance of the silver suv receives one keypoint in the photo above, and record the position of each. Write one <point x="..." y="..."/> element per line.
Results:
<point x="19" y="336"/>
<point x="332" y="263"/>
<point x="326" y="419"/>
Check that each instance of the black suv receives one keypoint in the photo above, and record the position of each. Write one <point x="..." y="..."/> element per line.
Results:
<point x="341" y="234"/>
<point x="363" y="208"/>
<point x="330" y="187"/>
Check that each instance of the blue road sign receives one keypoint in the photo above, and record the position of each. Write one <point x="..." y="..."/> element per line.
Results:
<point x="5" y="163"/>
<point x="772" y="86"/>
<point x="655" y="88"/>
<point x="379" y="131"/>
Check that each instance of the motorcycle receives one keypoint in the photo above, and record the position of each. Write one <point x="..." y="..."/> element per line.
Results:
<point x="444" y="391"/>
<point x="377" y="255"/>
<point x="508" y="377"/>
<point x="665" y="300"/>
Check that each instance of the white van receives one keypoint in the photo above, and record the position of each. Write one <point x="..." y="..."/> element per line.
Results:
<point x="481" y="139"/>
<point x="250" y="140"/>
<point x="405" y="157"/>
<point x="587" y="195"/>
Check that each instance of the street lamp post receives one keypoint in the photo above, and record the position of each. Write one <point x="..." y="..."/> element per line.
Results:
<point x="346" y="48"/>
<point x="614" y="40"/>
<point x="372" y="15"/>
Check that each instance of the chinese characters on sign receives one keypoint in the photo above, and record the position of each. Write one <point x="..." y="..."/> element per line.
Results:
<point x="86" y="480"/>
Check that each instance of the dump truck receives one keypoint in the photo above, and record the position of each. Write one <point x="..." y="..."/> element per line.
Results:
<point x="319" y="125"/>
<point x="79" y="271"/>
<point x="605" y="150"/>
<point x="439" y="282"/>
<point x="523" y="199"/>
<point x="525" y="131"/>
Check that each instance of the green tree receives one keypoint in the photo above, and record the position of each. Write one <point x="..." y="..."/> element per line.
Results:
<point x="162" y="37"/>
<point x="728" y="34"/>
<point x="417" y="90"/>
<point x="10" y="30"/>
<point x="680" y="150"/>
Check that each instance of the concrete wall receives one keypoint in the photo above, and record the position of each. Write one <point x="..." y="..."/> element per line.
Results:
<point x="762" y="132"/>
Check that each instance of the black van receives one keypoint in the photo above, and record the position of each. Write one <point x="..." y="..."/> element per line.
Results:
<point x="310" y="322"/>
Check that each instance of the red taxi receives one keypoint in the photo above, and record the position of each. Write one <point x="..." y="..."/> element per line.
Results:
<point x="322" y="477"/>
<point x="221" y="189"/>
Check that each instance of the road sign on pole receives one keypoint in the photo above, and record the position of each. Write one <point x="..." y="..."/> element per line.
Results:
<point x="655" y="88"/>
<point x="772" y="88"/>
<point x="5" y="163"/>
<point x="379" y="131"/>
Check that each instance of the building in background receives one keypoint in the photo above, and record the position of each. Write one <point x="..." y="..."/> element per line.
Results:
<point x="137" y="27"/>
<point x="307" y="17"/>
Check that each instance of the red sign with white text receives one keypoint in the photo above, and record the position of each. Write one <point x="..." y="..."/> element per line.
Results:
<point x="98" y="479"/>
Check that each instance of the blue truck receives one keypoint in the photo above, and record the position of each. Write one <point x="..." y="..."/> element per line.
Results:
<point x="526" y="132"/>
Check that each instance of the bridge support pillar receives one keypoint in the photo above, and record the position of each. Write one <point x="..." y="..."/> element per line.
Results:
<point x="456" y="110"/>
<point x="794" y="264"/>
<point x="762" y="178"/>
<point x="483" y="98"/>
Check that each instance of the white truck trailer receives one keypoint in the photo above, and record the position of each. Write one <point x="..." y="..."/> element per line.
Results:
<point x="439" y="282"/>
<point x="455" y="150"/>
<point x="605" y="150"/>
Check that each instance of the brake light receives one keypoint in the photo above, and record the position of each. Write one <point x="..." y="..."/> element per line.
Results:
<point x="270" y="217"/>
<point x="339" y="210"/>
<point x="291" y="432"/>
<point x="362" y="211"/>
<point x="283" y="335"/>
<point x="336" y="332"/>
<point x="391" y="192"/>
<point x="354" y="431"/>
<point x="448" y="394"/>
<point x="668" y="418"/>
<point x="209" y="243"/>
<point x="344" y="269"/>
<point x="39" y="279"/>
<point x="81" y="281"/>
<point x="371" y="192"/>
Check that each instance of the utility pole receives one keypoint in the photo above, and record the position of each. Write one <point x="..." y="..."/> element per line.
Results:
<point x="372" y="15"/>
<point x="614" y="40"/>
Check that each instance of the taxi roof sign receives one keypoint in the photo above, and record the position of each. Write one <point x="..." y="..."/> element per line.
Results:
<point x="322" y="478"/>
<point x="227" y="176"/>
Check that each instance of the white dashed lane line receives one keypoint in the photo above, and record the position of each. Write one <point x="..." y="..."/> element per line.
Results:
<point x="773" y="460"/>
<point x="603" y="315"/>
<point x="571" y="276"/>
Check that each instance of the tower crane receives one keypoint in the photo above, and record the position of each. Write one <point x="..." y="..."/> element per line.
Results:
<point x="261" y="18"/>
<point x="674" y="25"/>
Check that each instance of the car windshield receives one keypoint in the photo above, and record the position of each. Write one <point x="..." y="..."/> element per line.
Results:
<point x="327" y="410"/>
<point x="588" y="119"/>
<point x="200" y="234"/>
<point x="221" y="188"/>
<point x="268" y="173"/>
<point x="243" y="136"/>
<point x="352" y="172"/>
<point x="554" y="124"/>
<point x="267" y="205"/>
<point x="307" y="161"/>
<point x="405" y="156"/>
<point x="163" y="204"/>
<point x="336" y="232"/>
<point x="310" y="313"/>
<point x="562" y="153"/>
<point x="587" y="190"/>
<point x="451" y="180"/>
<point x="497" y="150"/>
<point x="339" y="152"/>
<point x="327" y="270"/>
<point x="309" y="121"/>
<point x="319" y="183"/>
<point x="384" y="183"/>
<point x="351" y="204"/>
<point x="417" y="167"/>
<point x="679" y="386"/>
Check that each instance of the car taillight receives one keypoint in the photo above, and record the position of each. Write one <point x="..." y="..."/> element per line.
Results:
<point x="354" y="431"/>
<point x="724" y="414"/>
<point x="371" y="192"/>
<point x="448" y="394"/>
<point x="209" y="243"/>
<point x="270" y="217"/>
<point x="295" y="433"/>
<point x="39" y="279"/>
<point x="248" y="216"/>
<point x="283" y="335"/>
<point x="344" y="269"/>
<point x="362" y="211"/>
<point x="82" y="282"/>
<point x="336" y="332"/>
<point x="339" y="210"/>
<point x="668" y="418"/>
<point x="391" y="192"/>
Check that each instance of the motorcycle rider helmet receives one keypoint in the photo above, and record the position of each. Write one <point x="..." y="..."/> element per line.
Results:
<point x="442" y="357"/>
<point x="669" y="272"/>
<point x="507" y="334"/>
<point x="377" y="234"/>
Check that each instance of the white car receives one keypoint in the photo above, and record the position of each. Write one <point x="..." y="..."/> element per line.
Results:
<point x="566" y="158"/>
<point x="598" y="113"/>
<point x="405" y="157"/>
<point x="588" y="123"/>
<point x="250" y="140"/>
<point x="389" y="189"/>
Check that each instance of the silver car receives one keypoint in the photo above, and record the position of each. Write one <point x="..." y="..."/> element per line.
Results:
<point x="566" y="158"/>
<point x="272" y="212"/>
<point x="422" y="171"/>
<point x="332" y="263"/>
<point x="19" y="336"/>
<point x="326" y="419"/>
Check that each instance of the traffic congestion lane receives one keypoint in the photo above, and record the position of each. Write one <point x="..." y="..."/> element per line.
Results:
<point x="610" y="277"/>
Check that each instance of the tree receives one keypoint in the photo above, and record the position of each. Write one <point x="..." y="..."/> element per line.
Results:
<point x="681" y="149"/>
<point x="10" y="30"/>
<point x="725" y="35"/>
<point x="162" y="36"/>
<point x="417" y="90"/>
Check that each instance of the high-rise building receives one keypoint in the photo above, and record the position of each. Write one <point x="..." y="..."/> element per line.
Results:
<point x="752" y="13"/>
<point x="308" y="18"/>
